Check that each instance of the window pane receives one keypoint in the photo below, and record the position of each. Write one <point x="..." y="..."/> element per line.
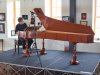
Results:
<point x="55" y="8"/>
<point x="97" y="31"/>
<point x="97" y="34"/>
<point x="17" y="4"/>
<point x="58" y="3"/>
<point x="97" y="11"/>
<point x="47" y="8"/>
<point x="98" y="2"/>
<point x="97" y="22"/>
<point x="18" y="13"/>
<point x="54" y="12"/>
<point x="54" y="3"/>
<point x="58" y="11"/>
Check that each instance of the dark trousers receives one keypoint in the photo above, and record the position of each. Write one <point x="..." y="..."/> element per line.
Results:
<point x="30" y="41"/>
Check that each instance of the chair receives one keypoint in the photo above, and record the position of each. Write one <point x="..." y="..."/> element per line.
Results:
<point x="17" y="43"/>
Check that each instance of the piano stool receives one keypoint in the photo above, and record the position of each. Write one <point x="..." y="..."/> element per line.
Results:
<point x="17" y="43"/>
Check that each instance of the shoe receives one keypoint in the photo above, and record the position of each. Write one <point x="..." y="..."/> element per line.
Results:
<point x="24" y="51"/>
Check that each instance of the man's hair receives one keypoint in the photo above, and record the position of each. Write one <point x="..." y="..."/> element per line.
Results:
<point x="20" y="19"/>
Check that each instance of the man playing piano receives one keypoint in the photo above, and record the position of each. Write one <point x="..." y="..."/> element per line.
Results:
<point x="21" y="26"/>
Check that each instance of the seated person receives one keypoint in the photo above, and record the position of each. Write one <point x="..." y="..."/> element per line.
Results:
<point x="21" y="27"/>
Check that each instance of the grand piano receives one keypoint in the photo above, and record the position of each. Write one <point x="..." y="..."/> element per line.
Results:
<point x="59" y="30"/>
<point x="65" y="31"/>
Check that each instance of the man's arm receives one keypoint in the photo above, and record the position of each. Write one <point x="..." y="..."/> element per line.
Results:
<point x="16" y="29"/>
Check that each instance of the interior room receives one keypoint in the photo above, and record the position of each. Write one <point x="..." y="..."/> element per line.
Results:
<point x="65" y="36"/>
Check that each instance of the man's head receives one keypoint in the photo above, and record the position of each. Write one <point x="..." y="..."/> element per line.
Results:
<point x="20" y="20"/>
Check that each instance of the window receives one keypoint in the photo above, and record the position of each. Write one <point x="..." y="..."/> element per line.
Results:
<point x="56" y="9"/>
<point x="97" y="19"/>
<point x="53" y="9"/>
<point x="13" y="12"/>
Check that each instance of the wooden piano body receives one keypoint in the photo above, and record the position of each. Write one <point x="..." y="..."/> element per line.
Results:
<point x="61" y="30"/>
<point x="66" y="31"/>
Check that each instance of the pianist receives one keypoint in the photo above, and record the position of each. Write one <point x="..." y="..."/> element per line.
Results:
<point x="21" y="27"/>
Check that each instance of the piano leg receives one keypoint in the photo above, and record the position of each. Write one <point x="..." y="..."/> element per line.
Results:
<point x="42" y="51"/>
<point x="74" y="60"/>
<point x="27" y="50"/>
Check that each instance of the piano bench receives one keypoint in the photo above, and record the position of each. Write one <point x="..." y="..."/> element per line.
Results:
<point x="17" y="44"/>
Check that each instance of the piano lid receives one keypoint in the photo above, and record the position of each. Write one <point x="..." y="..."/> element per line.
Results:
<point x="58" y="25"/>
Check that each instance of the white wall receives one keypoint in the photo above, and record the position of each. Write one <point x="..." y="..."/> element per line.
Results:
<point x="88" y="47"/>
<point x="83" y="6"/>
<point x="8" y="43"/>
<point x="29" y="5"/>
